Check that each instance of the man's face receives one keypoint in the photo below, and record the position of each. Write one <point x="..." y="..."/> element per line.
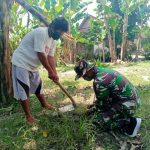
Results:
<point x="56" y="34"/>
<point x="60" y="32"/>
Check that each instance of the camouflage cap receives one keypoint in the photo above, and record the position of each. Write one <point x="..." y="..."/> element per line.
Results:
<point x="81" y="68"/>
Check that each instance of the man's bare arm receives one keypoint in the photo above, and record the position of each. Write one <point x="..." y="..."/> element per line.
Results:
<point x="44" y="61"/>
<point x="51" y="61"/>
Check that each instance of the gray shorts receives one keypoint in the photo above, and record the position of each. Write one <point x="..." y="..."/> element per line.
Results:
<point x="25" y="82"/>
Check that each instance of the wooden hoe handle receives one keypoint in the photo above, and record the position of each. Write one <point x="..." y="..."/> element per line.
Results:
<point x="62" y="88"/>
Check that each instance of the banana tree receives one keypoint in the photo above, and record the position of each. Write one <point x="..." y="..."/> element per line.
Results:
<point x="145" y="42"/>
<point x="127" y="7"/>
<point x="18" y="25"/>
<point x="105" y="10"/>
<point x="114" y="21"/>
<point x="144" y="14"/>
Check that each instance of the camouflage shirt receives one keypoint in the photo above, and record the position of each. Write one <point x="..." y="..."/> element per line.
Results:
<point x="111" y="87"/>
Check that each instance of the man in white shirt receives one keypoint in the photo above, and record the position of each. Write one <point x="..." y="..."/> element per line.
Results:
<point x="37" y="47"/>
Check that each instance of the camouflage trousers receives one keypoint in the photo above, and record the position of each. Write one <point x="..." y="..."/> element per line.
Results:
<point x="116" y="116"/>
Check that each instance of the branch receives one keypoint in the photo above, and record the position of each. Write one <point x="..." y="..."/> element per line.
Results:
<point x="33" y="11"/>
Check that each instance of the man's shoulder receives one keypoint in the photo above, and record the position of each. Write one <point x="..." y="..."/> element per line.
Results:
<point x="40" y="31"/>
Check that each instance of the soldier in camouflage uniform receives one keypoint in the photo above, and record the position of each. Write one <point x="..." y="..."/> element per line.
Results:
<point x="116" y="98"/>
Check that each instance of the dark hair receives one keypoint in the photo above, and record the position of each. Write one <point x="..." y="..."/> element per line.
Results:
<point x="59" y="23"/>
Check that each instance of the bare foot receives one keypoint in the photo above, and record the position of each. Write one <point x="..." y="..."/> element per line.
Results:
<point x="31" y="120"/>
<point x="48" y="106"/>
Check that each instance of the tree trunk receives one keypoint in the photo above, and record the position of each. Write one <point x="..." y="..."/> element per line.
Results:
<point x="74" y="52"/>
<point x="139" y="41"/>
<point x="111" y="47"/>
<point x="69" y="44"/>
<point x="99" y="52"/>
<point x="5" y="65"/>
<point x="138" y="47"/>
<point x="114" y="48"/>
<point x="103" y="49"/>
<point x="124" y="35"/>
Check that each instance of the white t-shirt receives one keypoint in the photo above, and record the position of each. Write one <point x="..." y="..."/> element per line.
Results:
<point x="38" y="40"/>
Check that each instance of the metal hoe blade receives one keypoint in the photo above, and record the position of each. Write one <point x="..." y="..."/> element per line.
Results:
<point x="66" y="108"/>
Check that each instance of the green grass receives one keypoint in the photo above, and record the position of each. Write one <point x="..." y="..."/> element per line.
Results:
<point x="72" y="130"/>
